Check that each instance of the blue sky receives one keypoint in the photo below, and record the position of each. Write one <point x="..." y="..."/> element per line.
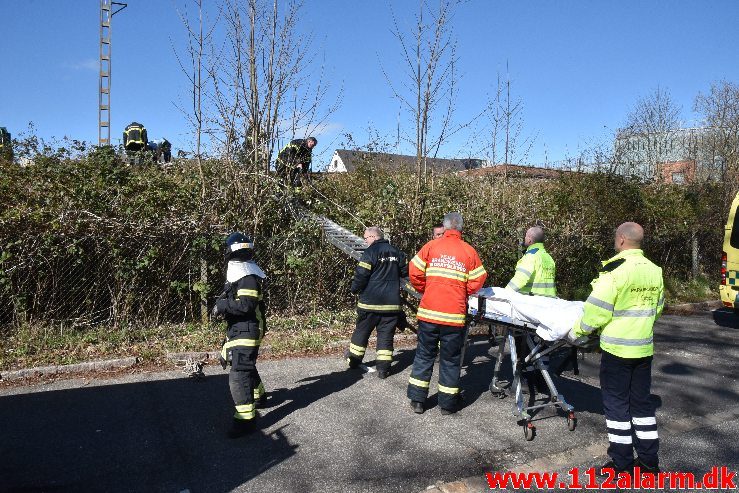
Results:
<point x="578" y="66"/>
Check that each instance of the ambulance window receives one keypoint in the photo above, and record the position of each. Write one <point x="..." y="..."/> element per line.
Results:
<point x="734" y="240"/>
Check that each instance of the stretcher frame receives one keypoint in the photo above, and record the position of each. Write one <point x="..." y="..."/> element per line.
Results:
<point x="538" y="350"/>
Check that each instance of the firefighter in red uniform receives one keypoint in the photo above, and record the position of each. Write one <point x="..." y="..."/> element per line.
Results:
<point x="446" y="271"/>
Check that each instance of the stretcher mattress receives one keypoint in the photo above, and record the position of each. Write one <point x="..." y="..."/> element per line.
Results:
<point x="552" y="317"/>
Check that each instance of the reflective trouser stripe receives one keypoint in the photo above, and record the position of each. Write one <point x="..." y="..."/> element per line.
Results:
<point x="623" y="439"/>
<point x="646" y="435"/>
<point x="384" y="355"/>
<point x="448" y="390"/>
<point x="418" y="383"/>
<point x="645" y="428"/>
<point x="618" y="425"/>
<point x="259" y="391"/>
<point x="245" y="411"/>
<point x="356" y="350"/>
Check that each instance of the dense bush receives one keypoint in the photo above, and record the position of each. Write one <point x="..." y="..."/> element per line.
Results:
<point x="579" y="210"/>
<point x="90" y="240"/>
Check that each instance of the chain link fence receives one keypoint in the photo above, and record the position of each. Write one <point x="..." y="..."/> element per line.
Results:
<point x="120" y="280"/>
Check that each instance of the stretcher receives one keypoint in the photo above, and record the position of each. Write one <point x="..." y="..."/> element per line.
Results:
<point x="502" y="308"/>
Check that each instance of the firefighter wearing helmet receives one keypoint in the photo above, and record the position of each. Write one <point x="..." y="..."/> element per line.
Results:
<point x="242" y="306"/>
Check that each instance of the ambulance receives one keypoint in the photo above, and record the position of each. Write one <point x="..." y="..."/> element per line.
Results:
<point x="730" y="259"/>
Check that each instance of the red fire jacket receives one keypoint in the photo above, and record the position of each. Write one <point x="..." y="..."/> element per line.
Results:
<point x="446" y="271"/>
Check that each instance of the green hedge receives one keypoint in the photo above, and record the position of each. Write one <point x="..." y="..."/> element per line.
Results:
<point x="91" y="240"/>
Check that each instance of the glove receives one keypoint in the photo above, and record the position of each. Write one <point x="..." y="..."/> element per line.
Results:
<point x="215" y="313"/>
<point x="402" y="322"/>
<point x="572" y="336"/>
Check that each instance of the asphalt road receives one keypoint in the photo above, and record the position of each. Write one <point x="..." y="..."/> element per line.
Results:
<point x="331" y="430"/>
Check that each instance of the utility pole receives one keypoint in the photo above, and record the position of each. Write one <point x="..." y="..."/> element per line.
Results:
<point x="106" y="14"/>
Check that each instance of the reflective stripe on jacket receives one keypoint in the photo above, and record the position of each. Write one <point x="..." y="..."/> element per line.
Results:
<point x="535" y="273"/>
<point x="135" y="133"/>
<point x="294" y="153"/>
<point x="242" y="305"/>
<point x="377" y="278"/>
<point x="446" y="271"/>
<point x="627" y="298"/>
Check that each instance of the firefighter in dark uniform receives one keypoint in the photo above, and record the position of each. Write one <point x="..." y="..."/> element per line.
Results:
<point x="294" y="160"/>
<point x="242" y="305"/>
<point x="627" y="298"/>
<point x="6" y="145"/>
<point x="377" y="280"/>
<point x="135" y="138"/>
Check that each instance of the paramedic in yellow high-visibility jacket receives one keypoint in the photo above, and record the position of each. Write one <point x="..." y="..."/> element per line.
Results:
<point x="627" y="298"/>
<point x="535" y="270"/>
<point x="534" y="275"/>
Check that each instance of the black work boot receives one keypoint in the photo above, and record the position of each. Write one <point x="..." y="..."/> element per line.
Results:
<point x="418" y="407"/>
<point x="455" y="407"/>
<point x="612" y="465"/>
<point x="645" y="467"/>
<point x="383" y="374"/>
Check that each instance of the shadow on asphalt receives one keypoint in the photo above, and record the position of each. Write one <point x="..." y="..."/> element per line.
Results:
<point x="312" y="389"/>
<point x="166" y="435"/>
<point x="726" y="317"/>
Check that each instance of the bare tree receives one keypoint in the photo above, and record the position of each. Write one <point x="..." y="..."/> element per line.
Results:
<point x="429" y="85"/>
<point x="505" y="117"/>
<point x="193" y="70"/>
<point x="719" y="109"/>
<point x="255" y="82"/>
<point x="646" y="137"/>
<point x="266" y="88"/>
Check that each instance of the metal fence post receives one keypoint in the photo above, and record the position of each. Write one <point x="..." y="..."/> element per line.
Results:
<point x="203" y="292"/>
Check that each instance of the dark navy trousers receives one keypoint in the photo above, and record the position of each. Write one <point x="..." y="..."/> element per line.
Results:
<point x="385" y="324"/>
<point x="630" y="414"/>
<point x="432" y="338"/>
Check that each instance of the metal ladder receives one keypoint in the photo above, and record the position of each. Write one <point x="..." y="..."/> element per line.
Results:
<point x="346" y="241"/>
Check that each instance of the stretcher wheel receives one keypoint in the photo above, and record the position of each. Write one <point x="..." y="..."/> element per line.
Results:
<point x="529" y="431"/>
<point x="571" y="421"/>
<point x="497" y="391"/>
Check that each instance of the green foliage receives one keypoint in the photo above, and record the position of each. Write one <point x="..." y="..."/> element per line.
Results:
<point x="580" y="212"/>
<point x="86" y="240"/>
